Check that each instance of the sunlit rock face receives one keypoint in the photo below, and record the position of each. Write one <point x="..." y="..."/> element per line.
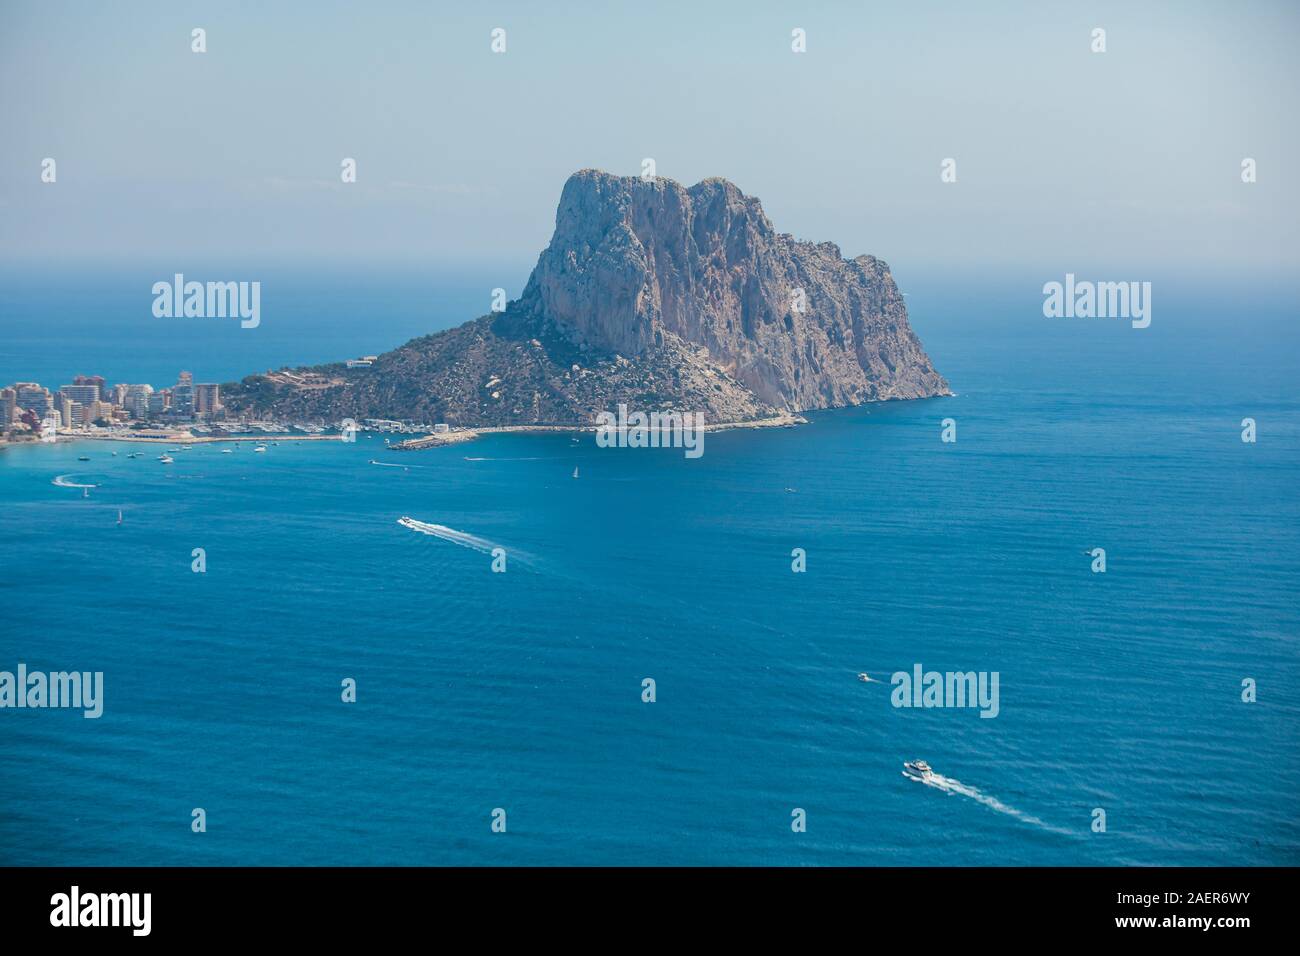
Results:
<point x="652" y="295"/>
<point x="632" y="262"/>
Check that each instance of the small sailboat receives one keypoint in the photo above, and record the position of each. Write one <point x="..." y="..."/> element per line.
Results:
<point x="575" y="472"/>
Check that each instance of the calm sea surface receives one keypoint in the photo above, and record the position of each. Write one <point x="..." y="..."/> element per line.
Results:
<point x="522" y="690"/>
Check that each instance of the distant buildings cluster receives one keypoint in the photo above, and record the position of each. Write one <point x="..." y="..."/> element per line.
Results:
<point x="89" y="401"/>
<point x="29" y="410"/>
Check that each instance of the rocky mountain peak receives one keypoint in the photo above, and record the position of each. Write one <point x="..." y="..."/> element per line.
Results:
<point x="635" y="262"/>
<point x="649" y="293"/>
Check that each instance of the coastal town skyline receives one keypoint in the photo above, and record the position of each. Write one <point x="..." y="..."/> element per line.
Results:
<point x="90" y="405"/>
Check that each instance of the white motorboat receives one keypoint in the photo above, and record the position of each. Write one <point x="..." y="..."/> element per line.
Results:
<point x="917" y="770"/>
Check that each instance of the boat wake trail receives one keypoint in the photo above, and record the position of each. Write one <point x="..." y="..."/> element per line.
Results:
<point x="63" y="481"/>
<point x="462" y="538"/>
<point x="951" y="785"/>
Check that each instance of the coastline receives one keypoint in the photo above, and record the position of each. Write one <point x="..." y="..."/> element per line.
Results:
<point x="433" y="440"/>
<point x="783" y="420"/>
<point x="178" y="437"/>
<point x="188" y="439"/>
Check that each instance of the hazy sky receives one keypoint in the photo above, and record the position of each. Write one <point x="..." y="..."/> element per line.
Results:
<point x="1065" y="158"/>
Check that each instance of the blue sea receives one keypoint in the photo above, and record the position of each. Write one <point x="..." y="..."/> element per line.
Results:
<point x="522" y="690"/>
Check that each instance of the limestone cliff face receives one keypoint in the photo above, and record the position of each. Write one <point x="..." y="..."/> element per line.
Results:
<point x="793" y="321"/>
<point x="652" y="294"/>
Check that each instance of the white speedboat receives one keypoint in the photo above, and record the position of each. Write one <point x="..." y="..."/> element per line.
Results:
<point x="917" y="770"/>
<point x="865" y="678"/>
<point x="260" y="448"/>
<point x="227" y="451"/>
<point x="166" y="459"/>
